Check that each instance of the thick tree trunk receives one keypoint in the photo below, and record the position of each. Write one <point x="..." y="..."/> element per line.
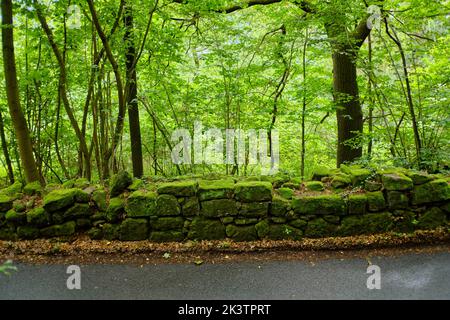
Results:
<point x="348" y="107"/>
<point x="131" y="94"/>
<point x="12" y="92"/>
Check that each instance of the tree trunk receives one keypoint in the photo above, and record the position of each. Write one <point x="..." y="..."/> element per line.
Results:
<point x="12" y="92"/>
<point x="5" y="150"/>
<point x="131" y="93"/>
<point x="348" y="107"/>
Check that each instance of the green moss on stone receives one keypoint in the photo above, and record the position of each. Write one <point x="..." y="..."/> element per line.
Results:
<point x="119" y="183"/>
<point x="314" y="186"/>
<point x="13" y="190"/>
<point x="116" y="209"/>
<point x="38" y="217"/>
<point x="219" y="208"/>
<point x="375" y="201"/>
<point x="79" y="210"/>
<point x="404" y="221"/>
<point x="317" y="228"/>
<point x="59" y="230"/>
<point x="111" y="231"/>
<point x="190" y="207"/>
<point x="19" y="206"/>
<point x="136" y="185"/>
<point x="206" y="229"/>
<point x="141" y="204"/>
<point x="179" y="188"/>
<point x="366" y="224"/>
<point x="397" y="200"/>
<point x="298" y="223"/>
<point x="419" y="177"/>
<point x="166" y="236"/>
<point x="286" y="193"/>
<point x="167" y="205"/>
<point x="432" y="219"/>
<point x="396" y="182"/>
<point x="6" y="202"/>
<point x="357" y="203"/>
<point x="372" y="186"/>
<point x="16" y="218"/>
<point x="227" y="220"/>
<point x="33" y="188"/>
<point x="99" y="198"/>
<point x="134" y="229"/>
<point x="320" y="172"/>
<point x="434" y="191"/>
<point x="27" y="232"/>
<point x="253" y="191"/>
<point x="254" y="209"/>
<point x="62" y="198"/>
<point x="284" y="232"/>
<point x="216" y="189"/>
<point x="340" y="180"/>
<point x="262" y="228"/>
<point x="322" y="204"/>
<point x="279" y="206"/>
<point x="95" y="234"/>
<point x="357" y="174"/>
<point x="278" y="220"/>
<point x="168" y="223"/>
<point x="245" y="221"/>
<point x="8" y="233"/>
<point x="239" y="233"/>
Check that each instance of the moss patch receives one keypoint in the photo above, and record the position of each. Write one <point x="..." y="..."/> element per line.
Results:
<point x="239" y="233"/>
<point x="375" y="201"/>
<point x="216" y="189"/>
<point x="141" y="204"/>
<point x="366" y="224"/>
<point x="219" y="208"/>
<point x="168" y="223"/>
<point x="317" y="228"/>
<point x="432" y="219"/>
<point x="134" y="229"/>
<point x="119" y="183"/>
<point x="167" y="205"/>
<point x="254" y="209"/>
<point x="206" y="229"/>
<point x="166" y="236"/>
<point x="322" y="204"/>
<point x="253" y="191"/>
<point x="396" y="182"/>
<point x="59" y="230"/>
<point x="434" y="191"/>
<point x="179" y="188"/>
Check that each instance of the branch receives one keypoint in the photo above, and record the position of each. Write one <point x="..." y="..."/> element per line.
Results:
<point x="304" y="5"/>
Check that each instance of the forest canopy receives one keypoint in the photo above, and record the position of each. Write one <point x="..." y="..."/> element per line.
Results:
<point x="93" y="87"/>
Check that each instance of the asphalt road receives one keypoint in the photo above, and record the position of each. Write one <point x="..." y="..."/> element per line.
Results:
<point x="415" y="276"/>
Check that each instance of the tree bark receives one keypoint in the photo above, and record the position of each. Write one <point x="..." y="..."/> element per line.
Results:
<point x="12" y="92"/>
<point x="5" y="150"/>
<point x="131" y="93"/>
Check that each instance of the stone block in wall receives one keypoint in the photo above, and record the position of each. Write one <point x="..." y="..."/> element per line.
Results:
<point x="279" y="206"/>
<point x="206" y="229"/>
<point x="219" y="208"/>
<point x="60" y="199"/>
<point x="116" y="209"/>
<point x="119" y="183"/>
<point x="286" y="193"/>
<point x="168" y="223"/>
<point x="6" y="202"/>
<point x="321" y="204"/>
<point x="38" y="217"/>
<point x="28" y="232"/>
<point x="396" y="182"/>
<point x="357" y="203"/>
<point x="99" y="199"/>
<point x="375" y="201"/>
<point x="179" y="188"/>
<point x="140" y="204"/>
<point x="404" y="220"/>
<point x="340" y="180"/>
<point x="397" y="200"/>
<point x="434" y="191"/>
<point x="215" y="189"/>
<point x="419" y="177"/>
<point x="366" y="224"/>
<point x="134" y="229"/>
<point x="110" y="231"/>
<point x="253" y="191"/>
<point x="166" y="236"/>
<point x="299" y="223"/>
<point x="16" y="218"/>
<point x="33" y="188"/>
<point x="59" y="230"/>
<point x="357" y="174"/>
<point x="190" y="207"/>
<point x="78" y="210"/>
<point x="319" y="228"/>
<point x="314" y="186"/>
<point x="254" y="209"/>
<point x="167" y="205"/>
<point x="431" y="219"/>
<point x="283" y="232"/>
<point x="245" y="221"/>
<point x="241" y="233"/>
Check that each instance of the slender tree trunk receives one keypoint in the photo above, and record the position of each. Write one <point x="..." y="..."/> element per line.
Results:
<point x="12" y="92"/>
<point x="5" y="150"/>
<point x="369" y="93"/>
<point x="131" y="93"/>
<point x="303" y="151"/>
